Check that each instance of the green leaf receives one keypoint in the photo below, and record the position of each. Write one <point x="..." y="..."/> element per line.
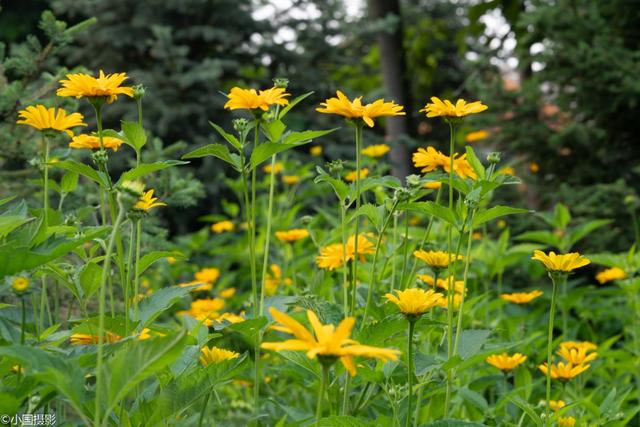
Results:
<point x="250" y="328"/>
<point x="8" y="223"/>
<point x="6" y="200"/>
<point x="302" y="361"/>
<point x="147" y="168"/>
<point x="265" y="150"/>
<point x="231" y="139"/>
<point x="343" y="421"/>
<point x="137" y="361"/>
<point x="153" y="306"/>
<point x="545" y="237"/>
<point x="89" y="278"/>
<point x="561" y="216"/>
<point x="216" y="150"/>
<point x="304" y="137"/>
<point x="528" y="409"/>
<point x="585" y="229"/>
<point x="475" y="162"/>
<point x="84" y="170"/>
<point x="339" y="187"/>
<point x="452" y="423"/>
<point x="273" y="130"/>
<point x="292" y="104"/>
<point x="134" y="135"/>
<point x="486" y="215"/>
<point x="471" y="341"/>
<point x="69" y="182"/>
<point x="374" y="213"/>
<point x="431" y="208"/>
<point x="148" y="259"/>
<point x="474" y="398"/>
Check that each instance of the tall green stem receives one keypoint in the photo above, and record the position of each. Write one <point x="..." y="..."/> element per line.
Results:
<point x="127" y="286"/>
<point x="357" y="219"/>
<point x="321" y="391"/>
<point x="45" y="169"/>
<point x="405" y="252"/>
<point x="252" y="231"/>
<point x="412" y="323"/>
<point x="23" y="324"/>
<point x="101" y="315"/>
<point x="552" y="312"/>
<point x="345" y="264"/>
<point x="394" y="245"/>
<point x="265" y="260"/>
<point x="465" y="276"/>
<point x="136" y="274"/>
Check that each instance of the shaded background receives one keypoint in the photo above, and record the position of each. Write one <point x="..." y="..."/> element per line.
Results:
<point x="561" y="80"/>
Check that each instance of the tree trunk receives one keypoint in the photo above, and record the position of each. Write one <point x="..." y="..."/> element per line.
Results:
<point x="396" y="83"/>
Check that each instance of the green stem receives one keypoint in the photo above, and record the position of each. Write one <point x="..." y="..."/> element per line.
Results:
<point x="394" y="246"/>
<point x="410" y="371"/>
<point x="405" y="253"/>
<point x="465" y="276"/>
<point x="345" y="264"/>
<point x="101" y="315"/>
<point x="265" y="259"/>
<point x="127" y="286"/>
<point x="552" y="312"/>
<point x="323" y="384"/>
<point x="24" y="320"/>
<point x="136" y="274"/>
<point x="357" y="219"/>
<point x="204" y="409"/>
<point x="45" y="168"/>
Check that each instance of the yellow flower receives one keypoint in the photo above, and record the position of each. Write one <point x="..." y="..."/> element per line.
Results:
<point x="207" y="275"/>
<point x="430" y="159"/>
<point x="222" y="226"/>
<point x="79" y="85"/>
<point x="433" y="185"/>
<point x="504" y="362"/>
<point x="250" y="99"/>
<point x="576" y="353"/>
<point x="202" y="286"/>
<point x="476" y="136"/>
<point x="290" y="179"/>
<point x="147" y="202"/>
<point x="215" y="355"/>
<point x="20" y="284"/>
<point x="279" y="167"/>
<point x="508" y="170"/>
<point x="43" y="118"/>
<point x="377" y="150"/>
<point x="521" y="297"/>
<point x="563" y="371"/>
<point x="227" y="293"/>
<point x="458" y="285"/>
<point x="581" y="345"/>
<point x="436" y="259"/>
<point x="351" y="176"/>
<point x="561" y="263"/>
<point x="292" y="235"/>
<point x="566" y="422"/>
<point x="534" y="167"/>
<point x="230" y="317"/>
<point x="416" y="301"/>
<point x="364" y="247"/>
<point x="326" y="341"/>
<point x="331" y="256"/>
<point x="342" y="106"/>
<point x="144" y="334"/>
<point x="316" y="150"/>
<point x="556" y="405"/>
<point x="92" y="142"/>
<point x="86" y="339"/>
<point x="610" y="274"/>
<point x="462" y="167"/>
<point x="274" y="279"/>
<point x="439" y="108"/>
<point x="205" y="310"/>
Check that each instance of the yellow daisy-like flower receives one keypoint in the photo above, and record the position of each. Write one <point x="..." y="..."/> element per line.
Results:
<point x="230" y="317"/>
<point x="430" y="159"/>
<point x="433" y="185"/>
<point x="215" y="355"/>
<point x="458" y="285"/>
<point x="364" y="247"/>
<point x="20" y="284"/>
<point x="331" y="256"/>
<point x="560" y="263"/>
<point x="521" y="297"/>
<point x="326" y="341"/>
<point x="476" y="136"/>
<point x="581" y="345"/>
<point x="566" y="422"/>
<point x="351" y="176"/>
<point x="250" y="99"/>
<point x="556" y="405"/>
<point x="508" y="170"/>
<point x="377" y="150"/>
<point x="147" y="201"/>
<point x="611" y="274"/>
<point x="342" y="106"/>
<point x="504" y="362"/>
<point x="43" y="118"/>
<point x="83" y="85"/>
<point x="316" y="150"/>
<point x="86" y="339"/>
<point x="278" y="167"/>
<point x="292" y="235"/>
<point x="563" y="371"/>
<point x="462" y="108"/>
<point x="92" y="142"/>
<point x="222" y="226"/>
<point x="274" y="280"/>
<point x="227" y="293"/>
<point x="534" y="167"/>
<point x="436" y="259"/>
<point x="416" y="301"/>
<point x="577" y="353"/>
<point x="207" y="275"/>
<point x="290" y="179"/>
<point x="205" y="310"/>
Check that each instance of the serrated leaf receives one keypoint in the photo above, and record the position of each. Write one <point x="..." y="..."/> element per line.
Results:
<point x="292" y="104"/>
<point x="431" y="208"/>
<point x="89" y="278"/>
<point x="160" y="301"/>
<point x="134" y="135"/>
<point x="231" y="139"/>
<point x="148" y="259"/>
<point x="69" y="182"/>
<point x="494" y="212"/>
<point x="84" y="170"/>
<point x="471" y="341"/>
<point x="273" y="130"/>
<point x="342" y="421"/>
<point x="304" y="137"/>
<point x="215" y="150"/>
<point x="374" y="213"/>
<point x="147" y="168"/>
<point x="339" y="187"/>
<point x="475" y="162"/>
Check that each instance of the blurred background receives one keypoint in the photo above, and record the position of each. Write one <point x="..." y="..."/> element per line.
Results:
<point x="560" y="78"/>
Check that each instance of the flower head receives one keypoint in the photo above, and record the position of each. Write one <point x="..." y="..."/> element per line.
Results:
<point x="439" y="108"/>
<point x="325" y="341"/>
<point x="292" y="235"/>
<point x="436" y="259"/>
<point x="611" y="274"/>
<point x="43" y="118"/>
<point x="342" y="106"/>
<point x="331" y="256"/>
<point x="416" y="301"/>
<point x="20" y="284"/>
<point x="86" y="339"/>
<point x="556" y="405"/>
<point x="290" y="179"/>
<point x="205" y="310"/>
<point x="250" y="99"/>
<point x="207" y="275"/>
<point x="563" y="371"/>
<point x="364" y="247"/>
<point x="274" y="280"/>
<point x="147" y="201"/>
<point x="476" y="136"/>
<point x="316" y="150"/>
<point x="521" y="297"/>
<point x="210" y="355"/>
<point x="566" y="422"/>
<point x="380" y="108"/>
<point x="222" y="226"/>
<point x="83" y="85"/>
<point x="92" y="142"/>
<point x="577" y="353"/>
<point x="376" y="150"/>
<point x="458" y="285"/>
<point x="278" y="167"/>
<point x="504" y="362"/>
<point x="227" y="293"/>
<point x="351" y="176"/>
<point x="560" y="263"/>
<point x="430" y="159"/>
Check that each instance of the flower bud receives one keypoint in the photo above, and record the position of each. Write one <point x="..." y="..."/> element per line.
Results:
<point x="240" y="125"/>
<point x="306" y="220"/>
<point x="281" y="82"/>
<point x="20" y="284"/>
<point x="335" y="167"/>
<point x="138" y="92"/>
<point x="100" y="157"/>
<point x="413" y="181"/>
<point x="493" y="157"/>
